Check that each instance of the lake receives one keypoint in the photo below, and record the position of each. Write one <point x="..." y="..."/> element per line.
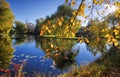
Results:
<point x="44" y="56"/>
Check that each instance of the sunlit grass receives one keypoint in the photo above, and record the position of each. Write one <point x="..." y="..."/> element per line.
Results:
<point x="50" y="36"/>
<point x="56" y="36"/>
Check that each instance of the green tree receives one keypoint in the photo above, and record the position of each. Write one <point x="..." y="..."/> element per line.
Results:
<point x="20" y="27"/>
<point x="38" y="25"/>
<point x="6" y="17"/>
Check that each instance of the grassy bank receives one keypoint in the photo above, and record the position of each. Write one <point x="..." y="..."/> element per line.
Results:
<point x="56" y="36"/>
<point x="106" y="66"/>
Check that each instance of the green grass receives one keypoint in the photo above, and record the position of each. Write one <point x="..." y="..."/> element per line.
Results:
<point x="118" y="37"/>
<point x="56" y="36"/>
<point x="50" y="36"/>
<point x="70" y="38"/>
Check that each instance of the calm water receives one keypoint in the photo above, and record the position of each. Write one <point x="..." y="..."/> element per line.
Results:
<point x="47" y="56"/>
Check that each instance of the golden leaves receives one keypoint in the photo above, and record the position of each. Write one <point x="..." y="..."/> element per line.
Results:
<point x="46" y="27"/>
<point x="98" y="2"/>
<point x="59" y="23"/>
<point x="53" y="26"/>
<point x="86" y="40"/>
<point x="95" y="1"/>
<point x="71" y="20"/>
<point x="51" y="45"/>
<point x="111" y="40"/>
<point x="117" y="13"/>
<point x="82" y="10"/>
<point x="118" y="27"/>
<point x="116" y="32"/>
<point x="73" y="2"/>
<point x="107" y="35"/>
<point x="73" y="34"/>
<point x="117" y="5"/>
<point x="49" y="31"/>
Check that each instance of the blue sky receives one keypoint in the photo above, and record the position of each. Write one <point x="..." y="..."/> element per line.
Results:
<point x="30" y="10"/>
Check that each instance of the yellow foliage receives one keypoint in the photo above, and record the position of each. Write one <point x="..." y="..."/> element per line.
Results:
<point x="73" y="34"/>
<point x="107" y="35"/>
<point x="73" y="2"/>
<point x="95" y="1"/>
<point x="82" y="10"/>
<point x="117" y="4"/>
<point x="81" y="41"/>
<point x="59" y="23"/>
<point x="114" y="40"/>
<point x="71" y="20"/>
<point x="74" y="13"/>
<point x="116" y="31"/>
<point x="46" y="28"/>
<point x="118" y="27"/>
<point x="98" y="2"/>
<point x="66" y="27"/>
<point x="116" y="43"/>
<point x="53" y="26"/>
<point x="86" y="40"/>
<point x="51" y="46"/>
<point x="49" y="31"/>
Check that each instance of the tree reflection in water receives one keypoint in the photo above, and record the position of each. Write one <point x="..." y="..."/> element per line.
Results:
<point x="98" y="45"/>
<point x="6" y="52"/>
<point x="59" y="50"/>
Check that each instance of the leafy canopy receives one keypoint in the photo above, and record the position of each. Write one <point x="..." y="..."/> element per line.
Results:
<point x="6" y="17"/>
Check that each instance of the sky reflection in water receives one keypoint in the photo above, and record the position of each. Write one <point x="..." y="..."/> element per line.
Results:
<point x="35" y="57"/>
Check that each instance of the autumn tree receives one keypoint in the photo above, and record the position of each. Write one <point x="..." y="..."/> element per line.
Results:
<point x="6" y="17"/>
<point x="113" y="23"/>
<point x="90" y="9"/>
<point x="57" y="24"/>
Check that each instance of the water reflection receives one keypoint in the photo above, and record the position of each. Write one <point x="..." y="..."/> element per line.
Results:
<point x="97" y="45"/>
<point x="6" y="52"/>
<point x="59" y="50"/>
<point x="46" y="55"/>
<point x="19" y="39"/>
